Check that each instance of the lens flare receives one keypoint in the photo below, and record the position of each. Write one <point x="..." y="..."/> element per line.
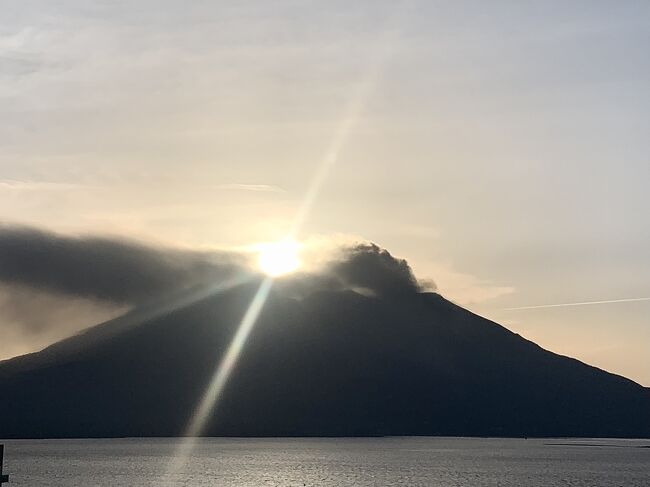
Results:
<point x="278" y="258"/>
<point x="282" y="257"/>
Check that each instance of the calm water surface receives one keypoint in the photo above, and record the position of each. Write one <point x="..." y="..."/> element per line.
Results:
<point x="409" y="462"/>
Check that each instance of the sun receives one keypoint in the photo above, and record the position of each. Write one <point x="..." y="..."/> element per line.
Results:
<point x="278" y="258"/>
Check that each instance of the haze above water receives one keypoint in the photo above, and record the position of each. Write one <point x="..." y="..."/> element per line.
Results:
<point x="409" y="462"/>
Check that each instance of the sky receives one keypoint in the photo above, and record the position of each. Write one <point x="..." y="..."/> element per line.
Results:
<point x="500" y="147"/>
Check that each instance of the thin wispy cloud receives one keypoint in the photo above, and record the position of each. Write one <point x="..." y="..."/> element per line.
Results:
<point x="261" y="188"/>
<point x="31" y="185"/>
<point x="581" y="303"/>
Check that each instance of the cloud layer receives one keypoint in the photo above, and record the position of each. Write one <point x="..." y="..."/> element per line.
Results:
<point x="102" y="268"/>
<point x="127" y="272"/>
<point x="53" y="285"/>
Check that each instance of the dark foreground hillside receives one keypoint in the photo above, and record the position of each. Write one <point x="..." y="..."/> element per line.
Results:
<point x="334" y="363"/>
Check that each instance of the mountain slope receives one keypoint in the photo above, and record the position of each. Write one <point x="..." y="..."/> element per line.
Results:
<point x="333" y="363"/>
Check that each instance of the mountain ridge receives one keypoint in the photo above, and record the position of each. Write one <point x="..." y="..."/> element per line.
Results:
<point x="333" y="363"/>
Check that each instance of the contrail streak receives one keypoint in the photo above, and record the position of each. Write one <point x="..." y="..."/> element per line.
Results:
<point x="581" y="303"/>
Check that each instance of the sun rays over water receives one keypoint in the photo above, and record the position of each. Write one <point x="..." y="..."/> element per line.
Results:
<point x="280" y="258"/>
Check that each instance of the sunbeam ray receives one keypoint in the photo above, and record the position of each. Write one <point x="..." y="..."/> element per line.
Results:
<point x="218" y="382"/>
<point x="350" y="120"/>
<point x="175" y="301"/>
<point x="210" y="398"/>
<point x="351" y="117"/>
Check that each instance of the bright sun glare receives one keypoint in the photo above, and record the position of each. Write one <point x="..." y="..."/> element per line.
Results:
<point x="278" y="258"/>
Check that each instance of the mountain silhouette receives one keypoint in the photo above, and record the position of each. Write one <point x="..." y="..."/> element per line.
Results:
<point x="332" y="363"/>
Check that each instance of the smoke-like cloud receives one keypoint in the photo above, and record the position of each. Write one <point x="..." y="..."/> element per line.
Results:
<point x="127" y="272"/>
<point x="367" y="266"/>
<point x="101" y="268"/>
<point x="53" y="285"/>
<point x="362" y="267"/>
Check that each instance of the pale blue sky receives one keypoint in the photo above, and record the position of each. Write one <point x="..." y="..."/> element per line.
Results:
<point x="501" y="147"/>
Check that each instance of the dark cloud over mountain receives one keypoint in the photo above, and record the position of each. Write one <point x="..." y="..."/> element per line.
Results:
<point x="102" y="268"/>
<point x="128" y="272"/>
<point x="45" y="277"/>
<point x="363" y="267"/>
<point x="371" y="267"/>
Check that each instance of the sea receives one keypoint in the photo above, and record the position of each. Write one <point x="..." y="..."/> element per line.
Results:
<point x="303" y="462"/>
